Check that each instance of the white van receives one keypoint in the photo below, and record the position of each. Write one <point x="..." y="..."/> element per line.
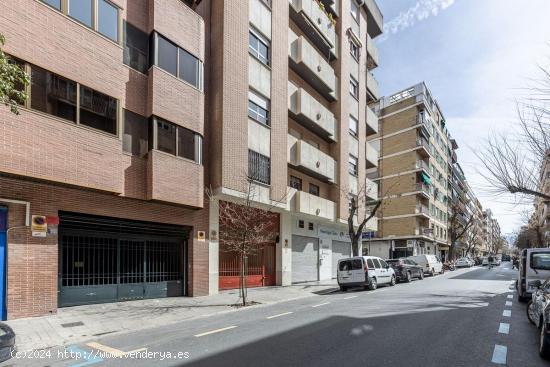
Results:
<point x="430" y="264"/>
<point x="534" y="264"/>
<point x="364" y="271"/>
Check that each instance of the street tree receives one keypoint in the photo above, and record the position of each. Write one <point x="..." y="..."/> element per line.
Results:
<point x="245" y="227"/>
<point x="13" y="80"/>
<point x="458" y="226"/>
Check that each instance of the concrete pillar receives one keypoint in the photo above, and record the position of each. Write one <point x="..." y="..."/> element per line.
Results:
<point x="284" y="251"/>
<point x="213" y="247"/>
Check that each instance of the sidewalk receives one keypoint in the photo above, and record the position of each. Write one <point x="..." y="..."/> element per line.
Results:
<point x="76" y="324"/>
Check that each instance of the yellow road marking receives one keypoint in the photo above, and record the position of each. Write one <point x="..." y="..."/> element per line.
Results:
<point x="215" y="331"/>
<point x="113" y="351"/>
<point x="279" y="315"/>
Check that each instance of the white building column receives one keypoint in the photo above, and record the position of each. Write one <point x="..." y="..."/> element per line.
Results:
<point x="284" y="250"/>
<point x="213" y="247"/>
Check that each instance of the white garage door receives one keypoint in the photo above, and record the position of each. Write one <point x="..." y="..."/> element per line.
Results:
<point x="340" y="250"/>
<point x="305" y="259"/>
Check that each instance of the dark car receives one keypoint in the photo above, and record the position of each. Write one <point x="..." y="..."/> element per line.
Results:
<point x="538" y="312"/>
<point x="406" y="269"/>
<point x="7" y="342"/>
<point x="505" y="257"/>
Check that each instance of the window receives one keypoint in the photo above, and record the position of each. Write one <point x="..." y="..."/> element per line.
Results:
<point x="296" y="183"/>
<point x="258" y="108"/>
<point x="135" y="139"/>
<point x="356" y="264"/>
<point x="540" y="261"/>
<point x="383" y="264"/>
<point x="189" y="144"/>
<point x="313" y="189"/>
<point x="310" y="226"/>
<point x="301" y="224"/>
<point x="136" y="48"/>
<point x="177" y="61"/>
<point x="355" y="11"/>
<point x="345" y="265"/>
<point x="258" y="47"/>
<point x="189" y="68"/>
<point x="352" y="165"/>
<point x="370" y="263"/>
<point x="167" y="55"/>
<point x="53" y="94"/>
<point x="98" y="110"/>
<point x="259" y="167"/>
<point x="376" y="263"/>
<point x="353" y="125"/>
<point x="54" y="3"/>
<point x="107" y="19"/>
<point x="82" y="11"/>
<point x="354" y="50"/>
<point x="353" y="87"/>
<point x="166" y="137"/>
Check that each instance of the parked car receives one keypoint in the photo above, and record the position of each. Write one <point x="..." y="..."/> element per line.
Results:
<point x="406" y="269"/>
<point x="538" y="312"/>
<point x="7" y="342"/>
<point x="430" y="264"/>
<point x="484" y="261"/>
<point x="534" y="264"/>
<point x="463" y="262"/>
<point x="506" y="258"/>
<point x="364" y="271"/>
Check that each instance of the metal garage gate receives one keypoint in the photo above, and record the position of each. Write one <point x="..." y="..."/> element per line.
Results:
<point x="107" y="260"/>
<point x="305" y="259"/>
<point x="340" y="250"/>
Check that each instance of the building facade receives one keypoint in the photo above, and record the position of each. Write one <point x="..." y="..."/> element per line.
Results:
<point x="136" y="107"/>
<point x="413" y="176"/>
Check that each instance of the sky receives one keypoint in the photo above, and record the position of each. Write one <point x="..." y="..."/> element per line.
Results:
<point x="477" y="57"/>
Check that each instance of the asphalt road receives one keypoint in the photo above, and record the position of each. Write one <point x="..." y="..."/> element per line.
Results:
<point x="456" y="319"/>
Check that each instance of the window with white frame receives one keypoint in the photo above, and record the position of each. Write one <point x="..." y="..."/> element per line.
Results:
<point x="258" y="46"/>
<point x="354" y="11"/>
<point x="354" y="50"/>
<point x="353" y="165"/>
<point x="258" y="108"/>
<point x="353" y="87"/>
<point x="353" y="125"/>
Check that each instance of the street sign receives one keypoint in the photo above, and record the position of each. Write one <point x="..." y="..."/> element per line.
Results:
<point x="367" y="235"/>
<point x="39" y="226"/>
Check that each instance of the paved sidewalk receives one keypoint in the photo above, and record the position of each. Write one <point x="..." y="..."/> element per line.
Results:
<point x="76" y="324"/>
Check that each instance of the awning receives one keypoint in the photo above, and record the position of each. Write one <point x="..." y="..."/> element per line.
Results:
<point x="426" y="178"/>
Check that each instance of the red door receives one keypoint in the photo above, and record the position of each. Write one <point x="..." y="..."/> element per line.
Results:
<point x="260" y="270"/>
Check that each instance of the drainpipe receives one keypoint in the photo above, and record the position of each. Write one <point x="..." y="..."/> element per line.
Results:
<point x="27" y="224"/>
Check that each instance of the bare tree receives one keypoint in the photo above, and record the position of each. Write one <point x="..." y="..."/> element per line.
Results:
<point x="457" y="228"/>
<point x="472" y="239"/>
<point x="246" y="227"/>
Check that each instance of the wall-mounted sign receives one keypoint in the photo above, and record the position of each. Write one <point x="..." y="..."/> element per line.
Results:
<point x="39" y="226"/>
<point x="201" y="235"/>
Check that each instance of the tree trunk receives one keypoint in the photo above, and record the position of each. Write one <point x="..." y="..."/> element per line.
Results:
<point x="243" y="293"/>
<point x="355" y="246"/>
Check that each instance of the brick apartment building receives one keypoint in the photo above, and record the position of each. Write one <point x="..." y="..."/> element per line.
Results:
<point x="136" y="106"/>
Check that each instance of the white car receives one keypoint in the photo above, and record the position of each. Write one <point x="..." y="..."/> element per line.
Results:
<point x="364" y="271"/>
<point x="463" y="262"/>
<point x="430" y="264"/>
<point x="485" y="261"/>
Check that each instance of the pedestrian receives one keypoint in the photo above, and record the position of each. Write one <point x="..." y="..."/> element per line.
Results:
<point x="490" y="260"/>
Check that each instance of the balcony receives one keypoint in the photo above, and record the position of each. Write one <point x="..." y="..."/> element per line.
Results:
<point x="371" y="156"/>
<point x="424" y="123"/>
<point x="372" y="54"/>
<point x="423" y="189"/>
<point x="371" y="189"/>
<point x="315" y="23"/>
<point x="422" y="210"/>
<point x="311" y="114"/>
<point x="305" y="203"/>
<point x="174" y="180"/>
<point x="372" y="121"/>
<point x="375" y="20"/>
<point x="424" y="231"/>
<point x="312" y="66"/>
<point x="423" y="147"/>
<point x="423" y="165"/>
<point x="373" y="89"/>
<point x="310" y="160"/>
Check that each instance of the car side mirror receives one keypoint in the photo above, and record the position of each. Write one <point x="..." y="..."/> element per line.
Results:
<point x="535" y="283"/>
<point x="387" y="266"/>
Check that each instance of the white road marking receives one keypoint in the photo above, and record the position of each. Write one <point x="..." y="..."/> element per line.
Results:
<point x="215" y="331"/>
<point x="279" y="315"/>
<point x="507" y="313"/>
<point x="504" y="328"/>
<point x="508" y="303"/>
<point x="499" y="354"/>
<point x="510" y="296"/>
<point x="350" y="297"/>
<point x="320" y="304"/>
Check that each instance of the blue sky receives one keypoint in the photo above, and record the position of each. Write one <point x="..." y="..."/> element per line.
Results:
<point x="475" y="56"/>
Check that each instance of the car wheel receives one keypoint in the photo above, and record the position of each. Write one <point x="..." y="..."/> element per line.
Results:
<point x="373" y="284"/>
<point x="343" y="289"/>
<point x="432" y="273"/>
<point x="531" y="312"/>
<point x="544" y="347"/>
<point x="421" y="275"/>
<point x="408" y="278"/>
<point x="442" y="271"/>
<point x="392" y="281"/>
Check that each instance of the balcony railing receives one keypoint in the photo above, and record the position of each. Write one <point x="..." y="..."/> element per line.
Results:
<point x="372" y="86"/>
<point x="422" y="165"/>
<point x="423" y="143"/>
<point x="312" y="66"/>
<point x="372" y="156"/>
<point x="371" y="189"/>
<point x="372" y="121"/>
<point x="372" y="54"/>
<point x="315" y="23"/>
<point x="422" y="209"/>
<point x="423" y="188"/>
<point x="306" y="203"/>
<point x="311" y="113"/>
<point x="311" y="160"/>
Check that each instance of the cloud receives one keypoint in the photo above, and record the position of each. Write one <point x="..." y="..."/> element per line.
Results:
<point x="419" y="12"/>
